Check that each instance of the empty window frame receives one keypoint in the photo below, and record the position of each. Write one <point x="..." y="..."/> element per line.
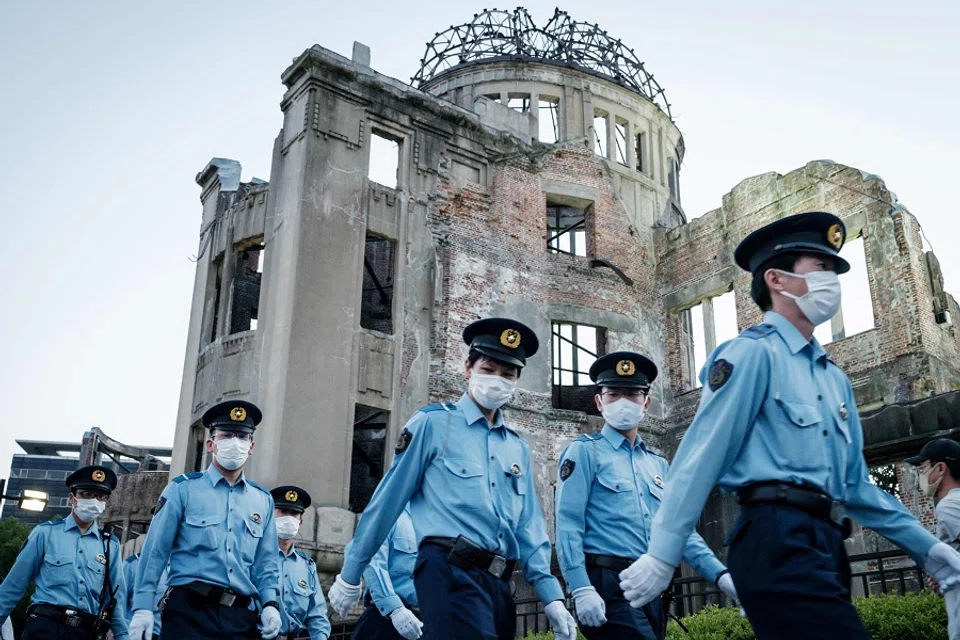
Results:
<point x="567" y="228"/>
<point x="620" y="136"/>
<point x="379" y="272"/>
<point x="640" y="142"/>
<point x="705" y="326"/>
<point x="384" y="162"/>
<point x="856" y="310"/>
<point x="213" y="299"/>
<point x="673" y="180"/>
<point x="548" y="112"/>
<point x="367" y="457"/>
<point x="519" y="102"/>
<point x="245" y="294"/>
<point x="600" y="132"/>
<point x="575" y="348"/>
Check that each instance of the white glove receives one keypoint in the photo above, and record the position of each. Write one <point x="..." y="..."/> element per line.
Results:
<point x="943" y="562"/>
<point x="406" y="623"/>
<point x="591" y="609"/>
<point x="6" y="631"/>
<point x="141" y="625"/>
<point x="270" y="621"/>
<point x="726" y="585"/>
<point x="563" y="625"/>
<point x="645" y="579"/>
<point x="343" y="596"/>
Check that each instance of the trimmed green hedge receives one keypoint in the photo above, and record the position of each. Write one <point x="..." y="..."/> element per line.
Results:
<point x="910" y="617"/>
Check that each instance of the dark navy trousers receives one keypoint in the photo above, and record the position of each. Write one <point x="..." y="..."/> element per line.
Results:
<point x="372" y="625"/>
<point x="188" y="616"/>
<point x="623" y="621"/>
<point x="792" y="575"/>
<point x="39" y="628"/>
<point x="462" y="604"/>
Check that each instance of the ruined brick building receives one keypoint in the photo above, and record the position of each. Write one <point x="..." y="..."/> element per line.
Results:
<point x="528" y="171"/>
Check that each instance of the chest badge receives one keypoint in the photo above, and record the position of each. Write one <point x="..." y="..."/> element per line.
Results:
<point x="102" y="559"/>
<point x="515" y="470"/>
<point x="256" y="518"/>
<point x="657" y="480"/>
<point x="302" y="583"/>
<point x="843" y="410"/>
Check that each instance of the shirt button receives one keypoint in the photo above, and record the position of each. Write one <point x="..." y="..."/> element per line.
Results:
<point x="230" y="570"/>
<point x="824" y="432"/>
<point x="501" y="535"/>
<point x="493" y="484"/>
<point x="463" y="470"/>
<point x="492" y="458"/>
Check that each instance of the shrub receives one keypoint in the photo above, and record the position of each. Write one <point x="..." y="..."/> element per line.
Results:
<point x="712" y="623"/>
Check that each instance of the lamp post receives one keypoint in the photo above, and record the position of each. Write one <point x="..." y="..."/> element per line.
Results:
<point x="28" y="500"/>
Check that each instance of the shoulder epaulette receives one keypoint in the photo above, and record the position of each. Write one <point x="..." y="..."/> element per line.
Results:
<point x="114" y="538"/>
<point x="758" y="331"/>
<point x="438" y="406"/>
<point x="259" y="486"/>
<point x="50" y="523"/>
<point x="588" y="437"/>
<point x="303" y="555"/>
<point x="188" y="476"/>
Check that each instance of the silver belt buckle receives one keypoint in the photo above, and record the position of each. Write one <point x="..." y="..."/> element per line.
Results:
<point x="227" y="599"/>
<point x="497" y="566"/>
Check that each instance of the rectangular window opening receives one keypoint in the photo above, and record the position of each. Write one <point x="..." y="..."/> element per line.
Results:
<point x="575" y="348"/>
<point x="699" y="343"/>
<point x="600" y="132"/>
<point x="367" y="457"/>
<point x="640" y="143"/>
<point x="548" y="113"/>
<point x="673" y="179"/>
<point x="245" y="298"/>
<point x="379" y="264"/>
<point x="214" y="300"/>
<point x="856" y="311"/>
<point x="519" y="102"/>
<point x="567" y="228"/>
<point x="384" y="163"/>
<point x="725" y="317"/>
<point x="620" y="133"/>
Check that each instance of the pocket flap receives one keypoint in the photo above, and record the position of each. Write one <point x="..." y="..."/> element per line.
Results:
<point x="405" y="545"/>
<point x="57" y="561"/>
<point x="203" y="519"/>
<point x="614" y="482"/>
<point x="801" y="414"/>
<point x="255" y="528"/>
<point x="463" y="468"/>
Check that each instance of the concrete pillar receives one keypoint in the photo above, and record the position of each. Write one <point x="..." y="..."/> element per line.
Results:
<point x="611" y="137"/>
<point x="631" y="143"/>
<point x="709" y="326"/>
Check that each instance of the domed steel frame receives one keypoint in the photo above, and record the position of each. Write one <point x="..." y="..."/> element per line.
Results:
<point x="501" y="35"/>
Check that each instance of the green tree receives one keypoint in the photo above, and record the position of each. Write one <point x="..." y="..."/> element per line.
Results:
<point x="885" y="477"/>
<point x="13" y="534"/>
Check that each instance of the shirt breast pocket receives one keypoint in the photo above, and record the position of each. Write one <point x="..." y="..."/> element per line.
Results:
<point x="463" y="483"/>
<point x="203" y="531"/>
<point x="617" y="490"/>
<point x="57" y="569"/>
<point x="96" y="571"/>
<point x="251" y="539"/>
<point x="800" y="449"/>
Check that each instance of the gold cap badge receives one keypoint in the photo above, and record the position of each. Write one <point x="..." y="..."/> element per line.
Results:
<point x="291" y="496"/>
<point x="626" y="368"/>
<point x="238" y="414"/>
<point x="98" y="475"/>
<point x="510" y="338"/>
<point x="835" y="236"/>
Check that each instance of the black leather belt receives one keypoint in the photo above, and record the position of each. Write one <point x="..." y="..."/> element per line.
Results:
<point x="810" y="500"/>
<point x="615" y="563"/>
<point x="67" y="617"/>
<point x="294" y="635"/>
<point x="465" y="554"/>
<point x="219" y="595"/>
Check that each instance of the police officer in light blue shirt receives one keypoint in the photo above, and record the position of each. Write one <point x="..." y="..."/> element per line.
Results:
<point x="778" y="425"/>
<point x="75" y="566"/>
<point x="303" y="610"/>
<point x="130" y="577"/>
<point x="468" y="480"/>
<point x="608" y="491"/>
<point x="216" y="530"/>
<point x="391" y="595"/>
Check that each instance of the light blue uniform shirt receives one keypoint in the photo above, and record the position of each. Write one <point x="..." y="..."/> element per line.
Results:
<point x="303" y="605"/>
<point x="389" y="577"/>
<point x="211" y="532"/>
<point x="783" y="413"/>
<point x="129" y="575"/>
<point x="607" y="504"/>
<point x="68" y="568"/>
<point x="461" y="476"/>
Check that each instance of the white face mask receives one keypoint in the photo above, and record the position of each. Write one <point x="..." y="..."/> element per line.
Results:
<point x="927" y="488"/>
<point x="287" y="527"/>
<point x="622" y="414"/>
<point x="232" y="453"/>
<point x="89" y="509"/>
<point x="491" y="392"/>
<point x="822" y="299"/>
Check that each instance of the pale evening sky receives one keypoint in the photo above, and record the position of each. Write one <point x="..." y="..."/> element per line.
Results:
<point x="109" y="109"/>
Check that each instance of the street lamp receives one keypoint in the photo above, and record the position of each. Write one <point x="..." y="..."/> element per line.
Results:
<point x="28" y="500"/>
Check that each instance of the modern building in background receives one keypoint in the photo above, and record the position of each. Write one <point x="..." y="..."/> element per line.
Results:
<point x="529" y="171"/>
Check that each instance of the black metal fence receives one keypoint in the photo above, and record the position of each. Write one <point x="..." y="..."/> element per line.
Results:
<point x="872" y="574"/>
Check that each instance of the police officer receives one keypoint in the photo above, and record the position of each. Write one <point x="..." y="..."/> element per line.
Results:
<point x="778" y="425"/>
<point x="609" y="489"/>
<point x="303" y="609"/>
<point x="130" y="577"/>
<point x="467" y="477"/>
<point x="75" y="566"/>
<point x="216" y="530"/>
<point x="391" y="595"/>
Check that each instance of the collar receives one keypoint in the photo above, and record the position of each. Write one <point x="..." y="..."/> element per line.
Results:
<point x="71" y="523"/>
<point x="214" y="476"/>
<point x="792" y="336"/>
<point x="473" y="414"/>
<point x="617" y="439"/>
<point x="293" y="551"/>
